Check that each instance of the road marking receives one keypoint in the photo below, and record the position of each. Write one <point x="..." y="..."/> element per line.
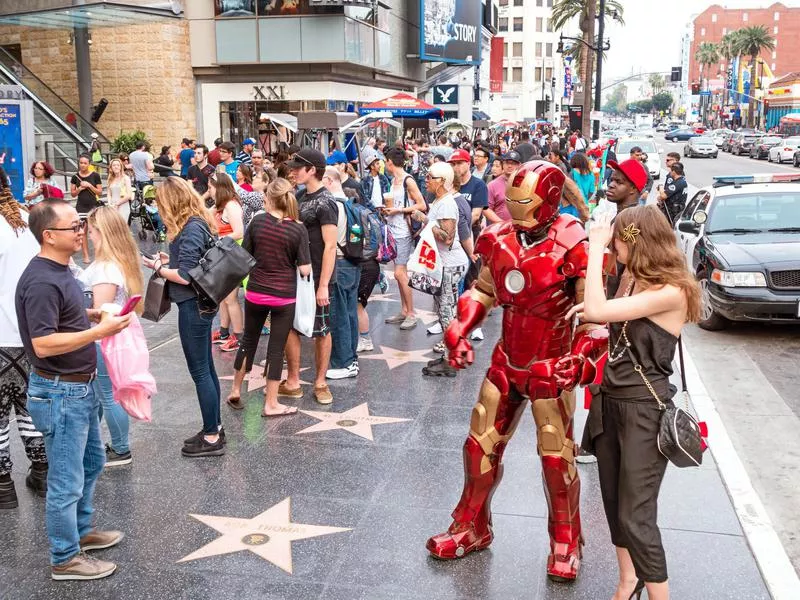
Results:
<point x="773" y="562"/>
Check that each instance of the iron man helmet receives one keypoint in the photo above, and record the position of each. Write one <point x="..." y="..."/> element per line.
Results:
<point x="533" y="195"/>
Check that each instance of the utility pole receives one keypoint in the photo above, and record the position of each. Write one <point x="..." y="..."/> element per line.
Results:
<point x="598" y="85"/>
<point x="84" y="71"/>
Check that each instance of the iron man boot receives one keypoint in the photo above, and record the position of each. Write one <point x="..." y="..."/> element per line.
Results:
<point x="564" y="523"/>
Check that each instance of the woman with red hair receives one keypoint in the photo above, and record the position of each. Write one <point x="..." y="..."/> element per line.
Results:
<point x="41" y="175"/>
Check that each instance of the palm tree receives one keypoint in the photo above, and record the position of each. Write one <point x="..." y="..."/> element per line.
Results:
<point x="706" y="55"/>
<point x="728" y="48"/>
<point x="564" y="11"/>
<point x="656" y="82"/>
<point x="752" y="41"/>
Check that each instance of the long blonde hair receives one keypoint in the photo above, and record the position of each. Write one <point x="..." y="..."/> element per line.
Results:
<point x="654" y="258"/>
<point x="118" y="246"/>
<point x="111" y="177"/>
<point x="280" y="195"/>
<point x="178" y="202"/>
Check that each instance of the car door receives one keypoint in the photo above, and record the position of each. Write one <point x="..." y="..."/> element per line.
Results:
<point x="688" y="240"/>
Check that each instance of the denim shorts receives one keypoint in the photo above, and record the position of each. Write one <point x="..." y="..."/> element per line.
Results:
<point x="405" y="246"/>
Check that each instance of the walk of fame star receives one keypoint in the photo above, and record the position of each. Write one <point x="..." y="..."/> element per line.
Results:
<point x="382" y="298"/>
<point x="255" y="379"/>
<point x="426" y="316"/>
<point x="394" y="357"/>
<point x="269" y="535"/>
<point x="357" y="421"/>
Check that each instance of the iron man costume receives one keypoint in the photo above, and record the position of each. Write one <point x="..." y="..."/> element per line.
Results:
<point x="534" y="267"/>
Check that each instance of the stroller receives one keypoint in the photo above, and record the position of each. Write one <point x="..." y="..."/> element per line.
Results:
<point x="144" y="210"/>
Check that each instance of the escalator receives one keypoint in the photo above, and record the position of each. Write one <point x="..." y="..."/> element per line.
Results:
<point x="61" y="133"/>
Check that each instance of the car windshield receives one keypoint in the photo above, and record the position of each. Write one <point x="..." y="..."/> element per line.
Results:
<point x="701" y="140"/>
<point x="646" y="146"/>
<point x="792" y="141"/>
<point x="750" y="138"/>
<point x="755" y="212"/>
<point x="771" y="140"/>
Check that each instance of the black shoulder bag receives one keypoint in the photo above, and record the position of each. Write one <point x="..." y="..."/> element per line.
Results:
<point x="221" y="269"/>
<point x="679" y="436"/>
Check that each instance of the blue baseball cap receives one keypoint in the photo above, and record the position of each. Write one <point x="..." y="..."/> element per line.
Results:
<point x="249" y="142"/>
<point x="336" y="157"/>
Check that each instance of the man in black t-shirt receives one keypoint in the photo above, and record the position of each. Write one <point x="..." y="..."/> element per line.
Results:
<point x="54" y="328"/>
<point x="200" y="171"/>
<point x="320" y="215"/>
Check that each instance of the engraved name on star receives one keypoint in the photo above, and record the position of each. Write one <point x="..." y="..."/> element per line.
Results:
<point x="394" y="357"/>
<point x="357" y="421"/>
<point x="255" y="379"/>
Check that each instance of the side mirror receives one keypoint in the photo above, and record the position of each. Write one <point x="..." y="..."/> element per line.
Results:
<point x="688" y="227"/>
<point x="700" y="217"/>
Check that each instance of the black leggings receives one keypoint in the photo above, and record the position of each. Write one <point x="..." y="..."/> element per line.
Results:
<point x="255" y="315"/>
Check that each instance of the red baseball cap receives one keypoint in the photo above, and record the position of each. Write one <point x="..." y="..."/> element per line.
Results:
<point x="460" y="155"/>
<point x="634" y="170"/>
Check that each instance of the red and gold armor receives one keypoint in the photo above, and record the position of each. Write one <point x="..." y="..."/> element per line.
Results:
<point x="534" y="267"/>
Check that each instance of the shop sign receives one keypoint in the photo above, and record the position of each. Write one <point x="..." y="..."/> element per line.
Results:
<point x="269" y="92"/>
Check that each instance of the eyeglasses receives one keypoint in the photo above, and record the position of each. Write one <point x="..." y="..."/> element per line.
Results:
<point x="76" y="228"/>
<point x="431" y="177"/>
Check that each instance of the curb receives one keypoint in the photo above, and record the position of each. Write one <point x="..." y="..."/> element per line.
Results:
<point x="779" y="575"/>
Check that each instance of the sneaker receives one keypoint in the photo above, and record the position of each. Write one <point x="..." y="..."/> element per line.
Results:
<point x="440" y="369"/>
<point x="8" y="493"/>
<point x="200" y="434"/>
<point x="265" y="331"/>
<point x="82" y="567"/>
<point x="218" y="338"/>
<point x="199" y="447"/>
<point x="115" y="459"/>
<point x="476" y="335"/>
<point x="408" y="323"/>
<point x="435" y="329"/>
<point x="344" y="373"/>
<point x="100" y="540"/>
<point x="323" y="395"/>
<point x="286" y="392"/>
<point x="395" y="320"/>
<point x="231" y="344"/>
<point x="383" y="283"/>
<point x="37" y="479"/>
<point x="440" y="348"/>
<point x="584" y="457"/>
<point x="364" y="344"/>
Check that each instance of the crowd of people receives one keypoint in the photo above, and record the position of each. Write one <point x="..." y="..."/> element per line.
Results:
<point x="291" y="215"/>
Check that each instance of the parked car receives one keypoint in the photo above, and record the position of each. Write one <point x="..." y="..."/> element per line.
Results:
<point x="741" y="238"/>
<point x="648" y="146"/>
<point x="784" y="152"/>
<point x="662" y="127"/>
<point x="760" y="149"/>
<point x="680" y="135"/>
<point x="700" y="146"/>
<point x="742" y="142"/>
<point x="719" y="136"/>
<point x="726" y="141"/>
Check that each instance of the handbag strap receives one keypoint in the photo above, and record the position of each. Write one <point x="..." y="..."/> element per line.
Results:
<point x="683" y="368"/>
<point x="640" y="370"/>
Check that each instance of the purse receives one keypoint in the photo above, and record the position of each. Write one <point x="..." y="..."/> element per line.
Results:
<point x="156" y="299"/>
<point x="221" y="269"/>
<point x="680" y="437"/>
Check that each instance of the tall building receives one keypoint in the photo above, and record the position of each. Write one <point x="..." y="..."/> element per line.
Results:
<point x="533" y="71"/>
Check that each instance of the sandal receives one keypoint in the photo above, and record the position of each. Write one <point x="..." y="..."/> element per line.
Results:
<point x="234" y="402"/>
<point x="287" y="410"/>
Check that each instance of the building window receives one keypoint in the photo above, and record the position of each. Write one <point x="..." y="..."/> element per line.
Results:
<point x="503" y="23"/>
<point x="550" y="3"/>
<point x="539" y="24"/>
<point x="503" y="2"/>
<point x="225" y="9"/>
<point x="516" y="74"/>
<point x="724" y="31"/>
<point x="774" y="55"/>
<point x="777" y="16"/>
<point x="517" y="49"/>
<point x="702" y="31"/>
<point x="548" y="49"/>
<point x="505" y="50"/>
<point x="744" y="16"/>
<point x="538" y="50"/>
<point x="714" y="18"/>
<point x="548" y="74"/>
<point x="539" y="3"/>
<point x="517" y="23"/>
<point x="549" y="25"/>
<point x="775" y="30"/>
<point x="773" y="66"/>
<point x="538" y="74"/>
<point x="517" y="2"/>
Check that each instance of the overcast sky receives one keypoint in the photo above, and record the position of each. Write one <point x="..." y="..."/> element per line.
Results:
<point x="650" y="39"/>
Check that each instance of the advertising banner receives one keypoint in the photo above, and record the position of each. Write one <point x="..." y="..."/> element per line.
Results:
<point x="575" y="116"/>
<point x="567" y="81"/>
<point x="11" y="146"/>
<point x="445" y="94"/>
<point x="496" y="65"/>
<point x="450" y="31"/>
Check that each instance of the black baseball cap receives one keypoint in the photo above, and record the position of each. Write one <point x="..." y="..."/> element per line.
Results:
<point x="513" y="156"/>
<point x="307" y="157"/>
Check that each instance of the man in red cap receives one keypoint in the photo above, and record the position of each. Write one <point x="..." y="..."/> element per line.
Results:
<point x="472" y="188"/>
<point x="627" y="183"/>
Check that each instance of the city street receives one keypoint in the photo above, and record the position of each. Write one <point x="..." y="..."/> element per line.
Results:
<point x="751" y="372"/>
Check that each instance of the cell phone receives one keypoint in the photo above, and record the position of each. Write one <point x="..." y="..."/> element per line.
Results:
<point x="130" y="305"/>
<point x="146" y="255"/>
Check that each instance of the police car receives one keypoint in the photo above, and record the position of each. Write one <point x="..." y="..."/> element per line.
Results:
<point x="741" y="237"/>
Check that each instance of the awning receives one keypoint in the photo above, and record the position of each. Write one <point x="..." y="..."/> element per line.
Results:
<point x="791" y="118"/>
<point x="403" y="105"/>
<point x="281" y="119"/>
<point x="479" y="115"/>
<point x="100" y="13"/>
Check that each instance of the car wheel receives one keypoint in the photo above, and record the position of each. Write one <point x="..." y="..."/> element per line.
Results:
<point x="714" y="155"/>
<point x="794" y="162"/>
<point x="709" y="319"/>
<point x="675" y="139"/>
<point x="769" y="158"/>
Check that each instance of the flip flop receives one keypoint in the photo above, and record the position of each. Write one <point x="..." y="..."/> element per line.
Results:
<point x="234" y="403"/>
<point x="287" y="410"/>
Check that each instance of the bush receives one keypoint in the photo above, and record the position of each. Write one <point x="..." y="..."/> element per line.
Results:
<point x="126" y="141"/>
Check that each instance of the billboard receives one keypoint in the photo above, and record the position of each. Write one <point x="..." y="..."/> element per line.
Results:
<point x="11" y="147"/>
<point x="450" y="31"/>
<point x="496" y="65"/>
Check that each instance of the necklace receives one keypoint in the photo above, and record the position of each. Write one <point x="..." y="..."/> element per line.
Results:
<point x="623" y="334"/>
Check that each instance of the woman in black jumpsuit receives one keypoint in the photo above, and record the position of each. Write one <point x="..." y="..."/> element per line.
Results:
<point x="660" y="297"/>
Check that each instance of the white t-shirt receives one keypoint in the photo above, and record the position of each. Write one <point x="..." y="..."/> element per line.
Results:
<point x="105" y="272"/>
<point x="16" y="251"/>
<point x="446" y="208"/>
<point x="377" y="194"/>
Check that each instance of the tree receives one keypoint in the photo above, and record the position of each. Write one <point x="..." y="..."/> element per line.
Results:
<point x="662" y="101"/>
<point x="641" y="106"/>
<point x="728" y="49"/>
<point x="752" y="41"/>
<point x="656" y="82"/>
<point x="617" y="100"/>
<point x="706" y="55"/>
<point x="564" y="11"/>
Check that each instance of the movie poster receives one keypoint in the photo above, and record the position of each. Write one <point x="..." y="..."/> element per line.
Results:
<point x="451" y="31"/>
<point x="11" y="157"/>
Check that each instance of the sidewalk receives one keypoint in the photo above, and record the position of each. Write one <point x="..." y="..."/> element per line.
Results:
<point x="362" y="509"/>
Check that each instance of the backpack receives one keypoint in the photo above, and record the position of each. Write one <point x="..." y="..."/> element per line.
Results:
<point x="371" y="224"/>
<point x="354" y="239"/>
<point x="388" y="248"/>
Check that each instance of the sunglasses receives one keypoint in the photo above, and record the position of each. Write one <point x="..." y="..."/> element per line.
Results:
<point x="76" y="228"/>
<point x="431" y="178"/>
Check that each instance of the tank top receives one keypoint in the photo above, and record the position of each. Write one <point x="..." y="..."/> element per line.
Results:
<point x="654" y="349"/>
<point x="397" y="223"/>
<point x="223" y="227"/>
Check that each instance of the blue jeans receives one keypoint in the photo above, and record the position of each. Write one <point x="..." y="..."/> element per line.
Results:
<point x="194" y="329"/>
<point x="116" y="418"/>
<point x="68" y="416"/>
<point x="344" y="314"/>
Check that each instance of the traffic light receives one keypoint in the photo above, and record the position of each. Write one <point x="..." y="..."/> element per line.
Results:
<point x="553" y="83"/>
<point x="560" y="48"/>
<point x="677" y="74"/>
<point x="695" y="89"/>
<point x="547" y="104"/>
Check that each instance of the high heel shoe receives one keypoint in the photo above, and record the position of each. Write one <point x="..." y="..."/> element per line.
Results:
<point x="637" y="591"/>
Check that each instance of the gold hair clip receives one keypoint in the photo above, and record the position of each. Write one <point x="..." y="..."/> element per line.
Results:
<point x="629" y="234"/>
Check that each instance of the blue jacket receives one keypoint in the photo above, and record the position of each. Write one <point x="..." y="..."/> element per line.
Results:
<point x="366" y="186"/>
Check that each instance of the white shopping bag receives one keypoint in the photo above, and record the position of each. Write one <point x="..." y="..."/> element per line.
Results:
<point x="425" y="265"/>
<point x="306" y="306"/>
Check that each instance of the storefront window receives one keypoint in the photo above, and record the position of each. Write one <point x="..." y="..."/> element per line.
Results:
<point x="282" y="8"/>
<point x="234" y="8"/>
